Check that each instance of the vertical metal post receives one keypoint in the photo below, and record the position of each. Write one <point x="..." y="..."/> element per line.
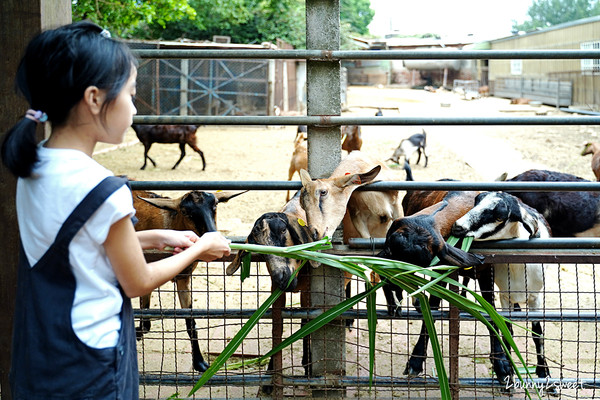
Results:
<point x="271" y="88"/>
<point x="453" y="345"/>
<point x="328" y="348"/>
<point x="183" y="85"/>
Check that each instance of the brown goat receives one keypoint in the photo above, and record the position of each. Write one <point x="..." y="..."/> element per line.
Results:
<point x="593" y="148"/>
<point x="182" y="134"/>
<point x="196" y="211"/>
<point x="351" y="141"/>
<point x="352" y="138"/>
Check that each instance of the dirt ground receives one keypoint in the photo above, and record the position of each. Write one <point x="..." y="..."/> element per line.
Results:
<point x="468" y="153"/>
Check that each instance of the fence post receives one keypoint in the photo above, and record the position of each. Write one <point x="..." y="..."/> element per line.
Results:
<point x="183" y="84"/>
<point x="20" y="20"/>
<point x="328" y="347"/>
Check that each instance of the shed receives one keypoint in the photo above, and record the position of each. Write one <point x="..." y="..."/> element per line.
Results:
<point x="560" y="82"/>
<point x="219" y="87"/>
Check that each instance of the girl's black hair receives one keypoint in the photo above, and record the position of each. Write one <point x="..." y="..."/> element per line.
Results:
<point x="57" y="67"/>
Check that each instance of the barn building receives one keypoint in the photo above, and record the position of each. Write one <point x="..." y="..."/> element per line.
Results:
<point x="568" y="83"/>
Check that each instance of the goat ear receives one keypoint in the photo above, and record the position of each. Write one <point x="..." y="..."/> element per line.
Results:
<point x="305" y="177"/>
<point x="224" y="197"/>
<point x="236" y="263"/>
<point x="502" y="177"/>
<point x="359" y="179"/>
<point x="458" y="257"/>
<point x="163" y="203"/>
<point x="586" y="148"/>
<point x="530" y="223"/>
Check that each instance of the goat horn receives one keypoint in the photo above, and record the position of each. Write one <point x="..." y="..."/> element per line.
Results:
<point x="164" y="203"/>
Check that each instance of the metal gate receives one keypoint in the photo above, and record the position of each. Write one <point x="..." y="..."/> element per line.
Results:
<point x="338" y="363"/>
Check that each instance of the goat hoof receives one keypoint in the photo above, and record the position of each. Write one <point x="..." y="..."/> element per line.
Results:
<point x="412" y="369"/>
<point x="504" y="372"/>
<point x="201" y="366"/>
<point x="266" y="390"/>
<point x="349" y="324"/>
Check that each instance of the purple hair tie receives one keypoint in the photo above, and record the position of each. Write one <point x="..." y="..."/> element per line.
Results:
<point x="37" y="116"/>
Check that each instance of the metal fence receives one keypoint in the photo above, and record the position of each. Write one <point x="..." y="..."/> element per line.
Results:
<point x="221" y="304"/>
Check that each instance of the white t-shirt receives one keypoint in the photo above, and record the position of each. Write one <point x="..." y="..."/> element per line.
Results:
<point x="60" y="180"/>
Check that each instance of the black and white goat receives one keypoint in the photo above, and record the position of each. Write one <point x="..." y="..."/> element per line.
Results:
<point x="419" y="238"/>
<point x="413" y="144"/>
<point x="498" y="215"/>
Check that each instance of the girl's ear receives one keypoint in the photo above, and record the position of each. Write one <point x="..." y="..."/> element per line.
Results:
<point x="93" y="98"/>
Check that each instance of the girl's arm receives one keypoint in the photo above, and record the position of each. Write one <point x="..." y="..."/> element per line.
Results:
<point x="137" y="277"/>
<point x="161" y="238"/>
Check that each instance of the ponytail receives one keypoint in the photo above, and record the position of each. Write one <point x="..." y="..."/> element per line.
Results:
<point x="19" y="148"/>
<point x="57" y="67"/>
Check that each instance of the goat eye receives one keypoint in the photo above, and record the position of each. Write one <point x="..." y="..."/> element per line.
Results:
<point x="323" y="192"/>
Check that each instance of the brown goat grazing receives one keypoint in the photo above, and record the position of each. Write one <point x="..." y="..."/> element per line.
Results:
<point x="196" y="211"/>
<point x="593" y="149"/>
<point x="182" y="134"/>
<point x="284" y="228"/>
<point x="352" y="138"/>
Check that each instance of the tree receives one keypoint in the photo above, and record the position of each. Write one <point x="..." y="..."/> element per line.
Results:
<point x="122" y="17"/>
<point x="545" y="13"/>
<point x="245" y="21"/>
<point x="358" y="14"/>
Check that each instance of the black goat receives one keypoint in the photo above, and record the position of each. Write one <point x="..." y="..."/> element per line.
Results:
<point x="182" y="134"/>
<point x="568" y="213"/>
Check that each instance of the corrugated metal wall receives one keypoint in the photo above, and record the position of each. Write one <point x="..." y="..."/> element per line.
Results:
<point x="564" y="36"/>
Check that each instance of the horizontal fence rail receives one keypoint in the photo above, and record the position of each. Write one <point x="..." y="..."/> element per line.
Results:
<point x="552" y="250"/>
<point x="391" y="185"/>
<point x="255" y="380"/>
<point x="337" y="55"/>
<point x="300" y="313"/>
<point x="338" y="120"/>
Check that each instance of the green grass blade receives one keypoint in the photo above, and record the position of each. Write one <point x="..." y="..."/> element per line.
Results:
<point x="435" y="347"/>
<point x="372" y="325"/>
<point x="236" y="341"/>
<point x="327" y="316"/>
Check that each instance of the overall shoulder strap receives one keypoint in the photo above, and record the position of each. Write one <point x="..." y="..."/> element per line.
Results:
<point x="88" y="206"/>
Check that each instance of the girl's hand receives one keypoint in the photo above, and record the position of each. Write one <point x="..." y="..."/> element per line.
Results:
<point x="175" y="241"/>
<point x="212" y="246"/>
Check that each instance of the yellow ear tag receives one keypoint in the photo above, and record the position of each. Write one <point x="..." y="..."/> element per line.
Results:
<point x="301" y="222"/>
<point x="219" y="191"/>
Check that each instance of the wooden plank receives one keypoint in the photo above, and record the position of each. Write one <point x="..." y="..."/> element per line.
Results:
<point x="19" y="21"/>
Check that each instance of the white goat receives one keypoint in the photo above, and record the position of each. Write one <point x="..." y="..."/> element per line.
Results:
<point x="498" y="215"/>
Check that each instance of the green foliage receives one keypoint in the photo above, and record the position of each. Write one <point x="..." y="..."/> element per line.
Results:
<point x="396" y="272"/>
<point x="245" y="21"/>
<point x="358" y="14"/>
<point x="545" y="13"/>
<point x="122" y="17"/>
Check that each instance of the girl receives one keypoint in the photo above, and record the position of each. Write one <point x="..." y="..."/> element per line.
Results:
<point x="81" y="259"/>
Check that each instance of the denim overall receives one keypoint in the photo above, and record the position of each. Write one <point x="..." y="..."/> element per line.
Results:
<point x="49" y="362"/>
